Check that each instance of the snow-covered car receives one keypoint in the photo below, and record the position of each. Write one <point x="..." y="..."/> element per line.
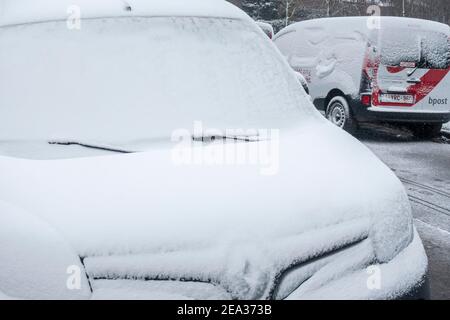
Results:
<point x="371" y="69"/>
<point x="93" y="204"/>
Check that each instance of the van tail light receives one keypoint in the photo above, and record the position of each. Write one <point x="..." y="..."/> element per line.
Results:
<point x="366" y="99"/>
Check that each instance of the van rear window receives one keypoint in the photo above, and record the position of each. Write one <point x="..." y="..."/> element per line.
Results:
<point x="422" y="49"/>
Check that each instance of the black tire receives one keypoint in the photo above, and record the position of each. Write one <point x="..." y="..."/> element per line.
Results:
<point x="338" y="112"/>
<point x="426" y="131"/>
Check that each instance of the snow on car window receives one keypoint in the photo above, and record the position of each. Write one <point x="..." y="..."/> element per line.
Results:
<point x="124" y="79"/>
<point x="398" y="47"/>
<point x="435" y="51"/>
<point x="427" y="49"/>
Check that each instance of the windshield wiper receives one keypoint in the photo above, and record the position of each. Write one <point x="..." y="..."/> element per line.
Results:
<point x="90" y="146"/>
<point x="213" y="138"/>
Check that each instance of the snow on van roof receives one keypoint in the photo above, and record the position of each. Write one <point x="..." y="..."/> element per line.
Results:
<point x="359" y="23"/>
<point x="14" y="12"/>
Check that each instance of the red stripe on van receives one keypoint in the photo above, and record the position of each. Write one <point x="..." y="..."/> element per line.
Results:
<point x="429" y="81"/>
<point x="395" y="69"/>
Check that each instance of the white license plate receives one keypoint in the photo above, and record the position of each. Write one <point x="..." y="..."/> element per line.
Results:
<point x="397" y="98"/>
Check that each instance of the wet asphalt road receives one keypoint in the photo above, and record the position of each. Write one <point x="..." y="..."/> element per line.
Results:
<point x="424" y="169"/>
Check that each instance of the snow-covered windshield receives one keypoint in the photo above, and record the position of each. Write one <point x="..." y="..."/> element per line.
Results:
<point x="126" y="79"/>
<point x="427" y="49"/>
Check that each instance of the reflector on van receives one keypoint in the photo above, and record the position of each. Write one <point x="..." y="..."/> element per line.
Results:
<point x="366" y="99"/>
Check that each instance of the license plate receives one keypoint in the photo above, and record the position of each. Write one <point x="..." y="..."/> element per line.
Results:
<point x="397" y="98"/>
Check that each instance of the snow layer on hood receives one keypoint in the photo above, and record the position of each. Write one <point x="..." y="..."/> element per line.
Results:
<point x="34" y="259"/>
<point x="128" y="212"/>
<point x="26" y="11"/>
<point x="140" y="202"/>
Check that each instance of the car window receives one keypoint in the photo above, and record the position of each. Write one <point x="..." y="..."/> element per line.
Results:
<point x="427" y="49"/>
<point x="123" y="79"/>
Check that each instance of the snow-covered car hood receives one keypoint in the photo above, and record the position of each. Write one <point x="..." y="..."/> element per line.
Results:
<point x="141" y="216"/>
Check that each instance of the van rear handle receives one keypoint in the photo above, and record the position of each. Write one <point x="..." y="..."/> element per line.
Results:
<point x="414" y="80"/>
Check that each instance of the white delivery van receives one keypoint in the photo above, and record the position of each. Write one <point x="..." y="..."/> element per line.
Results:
<point x="367" y="69"/>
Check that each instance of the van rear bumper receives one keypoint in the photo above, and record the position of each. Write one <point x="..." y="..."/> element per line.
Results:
<point x="363" y="113"/>
<point x="410" y="117"/>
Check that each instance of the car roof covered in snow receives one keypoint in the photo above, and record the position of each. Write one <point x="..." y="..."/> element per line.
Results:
<point x="340" y="24"/>
<point x="13" y="12"/>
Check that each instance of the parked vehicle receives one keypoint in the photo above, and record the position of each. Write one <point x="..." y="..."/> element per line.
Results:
<point x="366" y="69"/>
<point x="93" y="204"/>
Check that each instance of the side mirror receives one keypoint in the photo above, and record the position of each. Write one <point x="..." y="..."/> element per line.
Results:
<point x="302" y="81"/>
<point x="267" y="28"/>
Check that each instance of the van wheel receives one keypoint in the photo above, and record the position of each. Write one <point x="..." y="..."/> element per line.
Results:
<point x="426" y="131"/>
<point x="338" y="112"/>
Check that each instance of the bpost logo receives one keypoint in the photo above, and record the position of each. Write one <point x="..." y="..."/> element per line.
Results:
<point x="439" y="102"/>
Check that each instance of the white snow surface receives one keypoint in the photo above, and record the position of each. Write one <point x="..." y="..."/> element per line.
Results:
<point x="402" y="274"/>
<point x="13" y="12"/>
<point x="139" y="215"/>
<point x="180" y="69"/>
<point x="4" y="296"/>
<point x="447" y="126"/>
<point x="156" y="290"/>
<point x="35" y="258"/>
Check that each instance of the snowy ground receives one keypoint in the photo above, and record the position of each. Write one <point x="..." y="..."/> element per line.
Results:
<point x="424" y="169"/>
<point x="447" y="126"/>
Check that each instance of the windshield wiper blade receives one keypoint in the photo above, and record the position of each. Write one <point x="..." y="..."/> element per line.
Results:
<point x="213" y="138"/>
<point x="90" y="146"/>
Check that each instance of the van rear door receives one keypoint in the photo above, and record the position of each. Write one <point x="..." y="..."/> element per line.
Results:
<point x="413" y="72"/>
